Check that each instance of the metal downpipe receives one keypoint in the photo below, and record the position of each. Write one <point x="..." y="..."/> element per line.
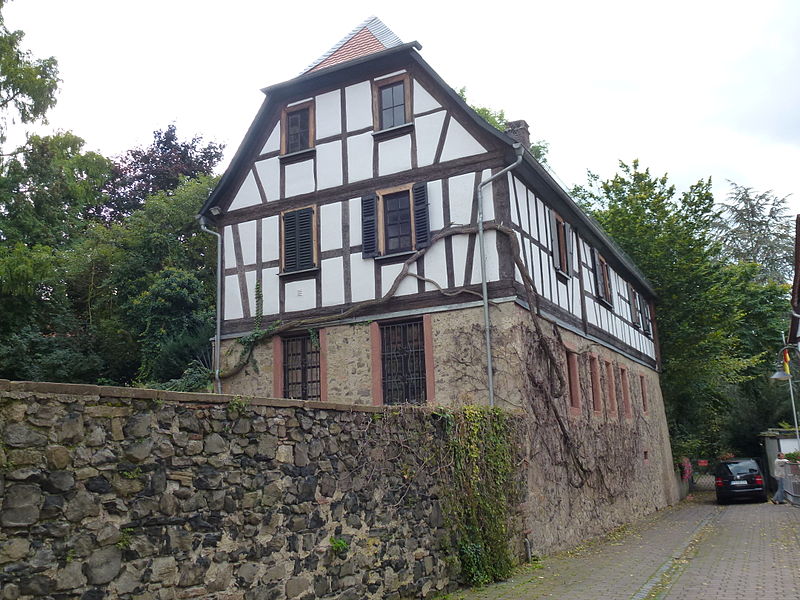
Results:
<point x="217" y="382"/>
<point x="484" y="287"/>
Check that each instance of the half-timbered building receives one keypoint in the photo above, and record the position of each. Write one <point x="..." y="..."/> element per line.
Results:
<point x="348" y="177"/>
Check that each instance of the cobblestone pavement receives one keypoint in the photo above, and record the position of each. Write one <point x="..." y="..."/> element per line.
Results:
<point x="691" y="551"/>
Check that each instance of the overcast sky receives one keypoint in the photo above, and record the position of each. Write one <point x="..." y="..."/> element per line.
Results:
<point x="693" y="89"/>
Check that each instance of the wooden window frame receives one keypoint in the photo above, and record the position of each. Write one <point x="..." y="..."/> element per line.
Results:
<point x="594" y="373"/>
<point x="611" y="389"/>
<point x="573" y="381"/>
<point x="381" y="217"/>
<point x="561" y="233"/>
<point x="633" y="297"/>
<point x="624" y="384"/>
<point x="287" y="110"/>
<point x="602" y="279"/>
<point x="377" y="85"/>
<point x="646" y="316"/>
<point x="314" y="240"/>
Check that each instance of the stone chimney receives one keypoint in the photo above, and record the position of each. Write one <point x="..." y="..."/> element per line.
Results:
<point x="518" y="130"/>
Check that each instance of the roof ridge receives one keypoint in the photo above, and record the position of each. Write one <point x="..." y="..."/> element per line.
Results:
<point x="375" y="26"/>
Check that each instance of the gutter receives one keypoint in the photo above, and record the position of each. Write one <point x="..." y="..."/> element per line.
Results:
<point x="217" y="383"/>
<point x="484" y="287"/>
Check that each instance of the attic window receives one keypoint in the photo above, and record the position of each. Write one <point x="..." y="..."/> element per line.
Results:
<point x="391" y="102"/>
<point x="297" y="126"/>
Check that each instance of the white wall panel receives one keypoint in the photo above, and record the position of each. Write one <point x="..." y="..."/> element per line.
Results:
<point x="355" y="221"/>
<point x="328" y="110"/>
<point x="394" y="155"/>
<point x="428" y="130"/>
<point x="229" y="249"/>
<point x="390" y="272"/>
<point x="459" y="143"/>
<point x="248" y="194"/>
<point x="459" y="258"/>
<point x="269" y="172"/>
<point x="299" y="178"/>
<point x="461" y="197"/>
<point x="330" y="226"/>
<point x="247" y="236"/>
<point x="488" y="197"/>
<point x="300" y="295"/>
<point x="362" y="277"/>
<point x="250" y="280"/>
<point x="329" y="165"/>
<point x="492" y="260"/>
<point x="273" y="143"/>
<point x="270" y="284"/>
<point x="358" y="99"/>
<point x="435" y="205"/>
<point x="436" y="266"/>
<point x="423" y="101"/>
<point x="359" y="157"/>
<point x="233" y="298"/>
<point x="332" y="281"/>
<point x="270" y="239"/>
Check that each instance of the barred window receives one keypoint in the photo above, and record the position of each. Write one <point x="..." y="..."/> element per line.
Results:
<point x="301" y="374"/>
<point x="403" y="362"/>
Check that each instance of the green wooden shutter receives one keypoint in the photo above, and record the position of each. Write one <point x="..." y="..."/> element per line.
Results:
<point x="298" y="240"/>
<point x="369" y="226"/>
<point x="421" y="221"/>
<point x="305" y="238"/>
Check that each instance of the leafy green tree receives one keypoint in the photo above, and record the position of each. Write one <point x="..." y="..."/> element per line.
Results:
<point x="27" y="85"/>
<point x="705" y="306"/>
<point x="50" y="188"/>
<point x="497" y="119"/>
<point x="142" y="172"/>
<point x="756" y="227"/>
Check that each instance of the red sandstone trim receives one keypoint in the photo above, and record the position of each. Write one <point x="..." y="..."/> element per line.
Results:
<point x="594" y="373"/>
<point x="323" y="365"/>
<point x="277" y="367"/>
<point x="430" y="371"/>
<point x="643" y="385"/>
<point x="375" y="343"/>
<point x="626" y="391"/>
<point x="611" y="390"/>
<point x="573" y="380"/>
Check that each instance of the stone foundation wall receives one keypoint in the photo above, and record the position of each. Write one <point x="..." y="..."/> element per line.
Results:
<point x="125" y="493"/>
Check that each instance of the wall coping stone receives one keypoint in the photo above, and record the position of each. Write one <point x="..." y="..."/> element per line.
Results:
<point x="101" y="391"/>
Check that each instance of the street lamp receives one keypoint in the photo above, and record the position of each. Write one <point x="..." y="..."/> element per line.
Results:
<point x="784" y="375"/>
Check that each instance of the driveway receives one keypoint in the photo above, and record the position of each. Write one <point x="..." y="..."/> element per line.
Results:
<point x="695" y="550"/>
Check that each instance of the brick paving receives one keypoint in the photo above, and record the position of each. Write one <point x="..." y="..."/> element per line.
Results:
<point x="691" y="551"/>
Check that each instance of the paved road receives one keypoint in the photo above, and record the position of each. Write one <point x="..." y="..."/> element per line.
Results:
<point x="696" y="550"/>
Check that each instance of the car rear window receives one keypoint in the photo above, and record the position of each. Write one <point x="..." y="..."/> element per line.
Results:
<point x="742" y="467"/>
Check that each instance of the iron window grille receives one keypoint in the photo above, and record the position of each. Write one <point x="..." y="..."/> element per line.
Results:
<point x="301" y="372"/>
<point x="403" y="363"/>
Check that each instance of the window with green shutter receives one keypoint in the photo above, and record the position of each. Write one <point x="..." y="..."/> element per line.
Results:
<point x="299" y="235"/>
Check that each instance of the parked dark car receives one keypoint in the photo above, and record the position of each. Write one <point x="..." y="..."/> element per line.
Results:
<point x="739" y="478"/>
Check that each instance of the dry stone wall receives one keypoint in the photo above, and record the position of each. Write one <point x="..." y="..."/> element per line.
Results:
<point x="124" y="493"/>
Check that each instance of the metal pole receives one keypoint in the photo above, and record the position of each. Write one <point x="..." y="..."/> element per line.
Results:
<point x="487" y="325"/>
<point x="791" y="396"/>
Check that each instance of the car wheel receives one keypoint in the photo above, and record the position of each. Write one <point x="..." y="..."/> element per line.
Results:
<point x="763" y="498"/>
<point x="721" y="500"/>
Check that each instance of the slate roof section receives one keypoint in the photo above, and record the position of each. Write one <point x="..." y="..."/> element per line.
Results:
<point x="369" y="37"/>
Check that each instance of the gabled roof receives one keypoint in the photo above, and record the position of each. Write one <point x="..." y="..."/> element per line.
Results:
<point x="530" y="170"/>
<point x="369" y="37"/>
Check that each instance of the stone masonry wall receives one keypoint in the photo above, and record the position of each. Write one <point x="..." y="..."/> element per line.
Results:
<point x="143" y="494"/>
